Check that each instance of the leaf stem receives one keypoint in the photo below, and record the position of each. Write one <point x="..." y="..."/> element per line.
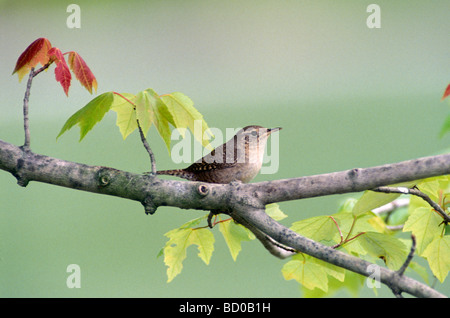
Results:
<point x="339" y="229"/>
<point x="347" y="239"/>
<point x="213" y="224"/>
<point x="351" y="229"/>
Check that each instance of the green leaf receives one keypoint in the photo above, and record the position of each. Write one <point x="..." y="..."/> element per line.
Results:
<point x="180" y="239"/>
<point x="204" y="239"/>
<point x="319" y="228"/>
<point x="332" y="270"/>
<point x="186" y="116"/>
<point x="424" y="224"/>
<point x="175" y="251"/>
<point x="89" y="115"/>
<point x="126" y="114"/>
<point x="148" y="108"/>
<point x="305" y="272"/>
<point x="234" y="234"/>
<point x="151" y="109"/>
<point x="353" y="283"/>
<point x="273" y="210"/>
<point x="384" y="246"/>
<point x="430" y="187"/>
<point x="437" y="254"/>
<point x="371" y="200"/>
<point x="348" y="222"/>
<point x="347" y="205"/>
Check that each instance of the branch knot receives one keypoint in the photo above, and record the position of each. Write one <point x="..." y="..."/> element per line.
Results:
<point x="104" y="178"/>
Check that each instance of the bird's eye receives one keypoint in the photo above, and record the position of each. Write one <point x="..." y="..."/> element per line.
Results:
<point x="254" y="133"/>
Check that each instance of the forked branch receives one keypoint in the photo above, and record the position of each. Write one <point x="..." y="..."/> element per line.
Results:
<point x="244" y="202"/>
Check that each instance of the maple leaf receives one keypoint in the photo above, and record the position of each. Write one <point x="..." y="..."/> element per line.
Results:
<point x="234" y="234"/>
<point x="386" y="247"/>
<point x="89" y="115"/>
<point x="82" y="71"/>
<point x="424" y="223"/>
<point x="180" y="239"/>
<point x="446" y="93"/>
<point x="305" y="272"/>
<point x="62" y="72"/>
<point x="123" y="105"/>
<point x="36" y="52"/>
<point x="438" y="256"/>
<point x="184" y="115"/>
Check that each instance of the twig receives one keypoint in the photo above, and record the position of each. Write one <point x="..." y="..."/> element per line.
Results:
<point x="418" y="193"/>
<point x="147" y="147"/>
<point x="395" y="227"/>
<point x="26" y="124"/>
<point x="397" y="291"/>
<point x="409" y="257"/>
<point x="391" y="206"/>
<point x="26" y="121"/>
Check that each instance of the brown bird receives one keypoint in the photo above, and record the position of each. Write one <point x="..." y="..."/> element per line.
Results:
<point x="239" y="159"/>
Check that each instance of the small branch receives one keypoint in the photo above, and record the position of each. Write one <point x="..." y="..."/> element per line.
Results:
<point x="391" y="206"/>
<point x="26" y="127"/>
<point x="409" y="257"/>
<point x="395" y="227"/>
<point x="43" y="68"/>
<point x="397" y="291"/>
<point x="26" y="124"/>
<point x="418" y="193"/>
<point x="147" y="147"/>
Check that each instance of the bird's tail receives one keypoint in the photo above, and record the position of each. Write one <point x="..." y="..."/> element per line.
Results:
<point x="177" y="173"/>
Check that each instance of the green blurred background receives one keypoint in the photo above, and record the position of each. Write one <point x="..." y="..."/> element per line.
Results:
<point x="347" y="96"/>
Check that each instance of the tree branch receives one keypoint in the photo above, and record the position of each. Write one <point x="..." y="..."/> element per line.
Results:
<point x="354" y="180"/>
<point x="394" y="280"/>
<point x="244" y="202"/>
<point x="418" y="193"/>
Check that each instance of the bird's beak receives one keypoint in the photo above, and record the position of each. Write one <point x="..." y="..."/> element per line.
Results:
<point x="271" y="130"/>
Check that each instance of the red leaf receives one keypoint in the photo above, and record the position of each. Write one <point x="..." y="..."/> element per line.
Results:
<point x="36" y="52"/>
<point x="82" y="71"/>
<point x="446" y="93"/>
<point x="62" y="72"/>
